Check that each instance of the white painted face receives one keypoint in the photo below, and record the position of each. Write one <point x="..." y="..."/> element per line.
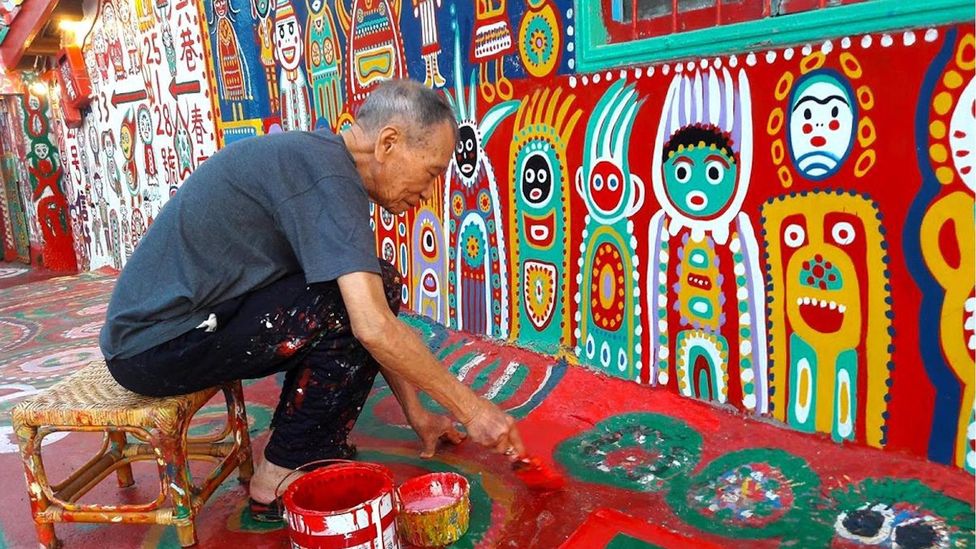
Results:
<point x="961" y="127"/>
<point x="288" y="42"/>
<point x="822" y="122"/>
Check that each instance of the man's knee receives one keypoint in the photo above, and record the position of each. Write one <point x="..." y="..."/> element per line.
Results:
<point x="392" y="285"/>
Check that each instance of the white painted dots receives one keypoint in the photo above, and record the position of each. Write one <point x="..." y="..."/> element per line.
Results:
<point x="908" y="38"/>
<point x="751" y="59"/>
<point x="845" y="42"/>
<point x="733" y="61"/>
<point x="788" y="54"/>
<point x="771" y="56"/>
<point x="886" y="40"/>
<point x="572" y="81"/>
<point x="807" y="50"/>
<point x="827" y="47"/>
<point x="866" y="41"/>
<point x="931" y="35"/>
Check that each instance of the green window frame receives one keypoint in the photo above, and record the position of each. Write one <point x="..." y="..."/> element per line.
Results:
<point x="595" y="53"/>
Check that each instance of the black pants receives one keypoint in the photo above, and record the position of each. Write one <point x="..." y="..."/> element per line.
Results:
<point x="290" y="327"/>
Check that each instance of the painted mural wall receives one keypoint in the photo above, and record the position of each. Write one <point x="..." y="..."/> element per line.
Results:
<point x="151" y="123"/>
<point x="788" y="232"/>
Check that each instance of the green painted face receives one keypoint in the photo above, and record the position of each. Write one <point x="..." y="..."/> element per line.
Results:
<point x="700" y="180"/>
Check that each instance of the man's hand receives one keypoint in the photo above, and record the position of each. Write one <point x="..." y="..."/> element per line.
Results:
<point x="432" y="429"/>
<point x="494" y="429"/>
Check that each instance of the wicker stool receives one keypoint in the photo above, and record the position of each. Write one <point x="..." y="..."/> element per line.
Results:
<point x="90" y="400"/>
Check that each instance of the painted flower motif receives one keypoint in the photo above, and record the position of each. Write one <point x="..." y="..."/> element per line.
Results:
<point x="473" y="242"/>
<point x="539" y="43"/>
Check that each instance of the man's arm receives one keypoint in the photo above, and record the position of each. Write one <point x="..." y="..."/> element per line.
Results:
<point x="400" y="351"/>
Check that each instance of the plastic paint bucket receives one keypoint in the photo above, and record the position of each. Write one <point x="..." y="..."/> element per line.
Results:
<point x="349" y="505"/>
<point x="434" y="509"/>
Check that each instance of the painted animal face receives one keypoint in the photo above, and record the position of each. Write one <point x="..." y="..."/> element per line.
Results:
<point x="288" y="42"/>
<point x="606" y="186"/>
<point x="466" y="151"/>
<point x="700" y="180"/>
<point x="823" y="118"/>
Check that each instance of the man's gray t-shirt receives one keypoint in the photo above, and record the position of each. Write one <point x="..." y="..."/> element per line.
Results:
<point x="258" y="210"/>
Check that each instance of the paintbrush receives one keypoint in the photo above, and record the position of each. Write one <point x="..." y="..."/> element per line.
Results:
<point x="537" y="475"/>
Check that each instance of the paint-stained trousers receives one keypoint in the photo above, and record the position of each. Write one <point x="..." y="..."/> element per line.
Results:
<point x="288" y="326"/>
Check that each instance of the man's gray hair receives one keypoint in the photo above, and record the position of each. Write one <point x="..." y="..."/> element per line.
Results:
<point x="408" y="102"/>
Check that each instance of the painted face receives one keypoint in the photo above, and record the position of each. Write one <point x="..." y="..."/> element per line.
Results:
<point x="466" y="151"/>
<point x="700" y="180"/>
<point x="41" y="150"/>
<point x="822" y="125"/>
<point x="606" y="186"/>
<point x="220" y="8"/>
<point x="536" y="180"/>
<point x="183" y="145"/>
<point x="109" y="21"/>
<point x="288" y="42"/>
<point x="145" y="125"/>
<point x="125" y="141"/>
<point x="823" y="255"/>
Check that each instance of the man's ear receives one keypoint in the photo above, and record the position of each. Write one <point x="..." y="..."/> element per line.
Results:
<point x="386" y="139"/>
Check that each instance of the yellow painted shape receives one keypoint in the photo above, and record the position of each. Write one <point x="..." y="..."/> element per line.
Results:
<point x="863" y="299"/>
<point x="956" y="208"/>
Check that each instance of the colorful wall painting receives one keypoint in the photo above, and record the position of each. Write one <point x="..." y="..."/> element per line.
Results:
<point x="48" y="204"/>
<point x="707" y="307"/>
<point x="539" y="209"/>
<point x="940" y="253"/>
<point x="478" y="279"/>
<point x="703" y="280"/>
<point x="151" y="121"/>
<point x="608" y="316"/>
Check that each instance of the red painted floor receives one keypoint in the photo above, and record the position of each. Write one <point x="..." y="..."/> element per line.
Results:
<point x="645" y="468"/>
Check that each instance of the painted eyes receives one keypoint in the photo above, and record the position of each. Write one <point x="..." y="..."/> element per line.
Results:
<point x="531" y="177"/>
<point x="427" y="241"/>
<point x="794" y="236"/>
<point x="843" y="233"/>
<point x="465" y="145"/>
<point x="613" y="182"/>
<point x="682" y="171"/>
<point x="714" y="172"/>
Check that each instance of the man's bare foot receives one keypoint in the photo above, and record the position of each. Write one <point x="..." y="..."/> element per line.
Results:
<point x="266" y="479"/>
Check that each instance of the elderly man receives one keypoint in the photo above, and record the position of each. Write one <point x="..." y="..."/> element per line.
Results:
<point x="265" y="262"/>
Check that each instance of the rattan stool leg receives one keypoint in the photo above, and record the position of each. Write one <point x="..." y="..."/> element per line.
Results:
<point x="30" y="452"/>
<point x="123" y="473"/>
<point x="235" y="403"/>
<point x="177" y="480"/>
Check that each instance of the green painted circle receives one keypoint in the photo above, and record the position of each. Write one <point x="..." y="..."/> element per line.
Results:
<point x="754" y="493"/>
<point x="639" y="451"/>
<point x="881" y="510"/>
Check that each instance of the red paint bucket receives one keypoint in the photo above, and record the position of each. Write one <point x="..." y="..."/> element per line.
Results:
<point x="349" y="505"/>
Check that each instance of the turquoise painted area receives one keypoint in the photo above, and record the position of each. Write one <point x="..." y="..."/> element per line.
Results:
<point x="623" y="541"/>
<point x="847" y="363"/>
<point x="594" y="53"/>
<point x="802" y="358"/>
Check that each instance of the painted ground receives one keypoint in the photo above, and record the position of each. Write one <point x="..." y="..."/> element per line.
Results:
<point x="646" y="468"/>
